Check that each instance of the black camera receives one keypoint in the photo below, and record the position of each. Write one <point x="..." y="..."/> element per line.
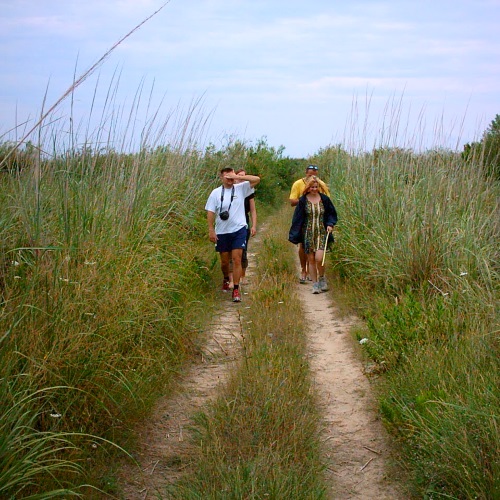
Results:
<point x="224" y="215"/>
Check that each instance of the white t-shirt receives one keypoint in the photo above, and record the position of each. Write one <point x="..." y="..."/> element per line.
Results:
<point x="237" y="218"/>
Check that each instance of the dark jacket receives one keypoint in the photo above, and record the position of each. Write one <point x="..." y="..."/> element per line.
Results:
<point x="296" y="234"/>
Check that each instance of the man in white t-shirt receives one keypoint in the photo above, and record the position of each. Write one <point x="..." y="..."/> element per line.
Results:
<point x="227" y="225"/>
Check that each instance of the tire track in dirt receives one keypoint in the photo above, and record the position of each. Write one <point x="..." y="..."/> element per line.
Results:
<point x="356" y="446"/>
<point x="164" y="444"/>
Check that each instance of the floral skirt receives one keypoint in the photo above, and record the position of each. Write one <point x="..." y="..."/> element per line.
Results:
<point x="314" y="230"/>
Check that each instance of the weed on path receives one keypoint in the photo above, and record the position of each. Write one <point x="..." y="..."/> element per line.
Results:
<point x="165" y="445"/>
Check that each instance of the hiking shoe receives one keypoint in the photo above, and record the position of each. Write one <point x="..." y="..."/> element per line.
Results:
<point x="225" y="286"/>
<point x="302" y="280"/>
<point x="323" y="285"/>
<point x="236" y="296"/>
<point x="316" y="288"/>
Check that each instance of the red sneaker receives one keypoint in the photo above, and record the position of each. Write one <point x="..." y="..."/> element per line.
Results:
<point x="225" y="286"/>
<point x="236" y="296"/>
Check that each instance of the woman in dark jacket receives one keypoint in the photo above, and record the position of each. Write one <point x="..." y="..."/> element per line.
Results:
<point x="313" y="218"/>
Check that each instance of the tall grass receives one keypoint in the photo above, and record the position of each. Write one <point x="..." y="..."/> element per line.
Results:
<point x="419" y="242"/>
<point x="103" y="242"/>
<point x="99" y="252"/>
<point x="31" y="455"/>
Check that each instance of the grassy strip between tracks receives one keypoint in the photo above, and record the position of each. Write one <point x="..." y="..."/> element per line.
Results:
<point x="259" y="438"/>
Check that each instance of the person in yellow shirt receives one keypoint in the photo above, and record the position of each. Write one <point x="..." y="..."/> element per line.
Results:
<point x="295" y="193"/>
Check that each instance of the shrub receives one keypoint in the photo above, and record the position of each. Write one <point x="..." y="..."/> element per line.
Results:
<point x="487" y="152"/>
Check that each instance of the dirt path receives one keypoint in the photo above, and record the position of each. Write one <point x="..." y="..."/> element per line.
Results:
<point x="163" y="442"/>
<point x="355" y="443"/>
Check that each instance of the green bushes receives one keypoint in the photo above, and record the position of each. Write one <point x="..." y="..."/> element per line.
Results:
<point x="99" y="253"/>
<point x="276" y="172"/>
<point x="486" y="153"/>
<point x="396" y="331"/>
<point x="447" y="413"/>
<point x="28" y="455"/>
<point x="14" y="159"/>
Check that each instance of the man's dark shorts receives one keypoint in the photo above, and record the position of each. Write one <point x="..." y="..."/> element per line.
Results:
<point x="231" y="241"/>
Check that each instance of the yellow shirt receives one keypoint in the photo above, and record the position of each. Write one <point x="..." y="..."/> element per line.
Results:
<point x="298" y="189"/>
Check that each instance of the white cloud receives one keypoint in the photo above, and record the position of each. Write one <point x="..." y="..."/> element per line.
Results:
<point x="264" y="63"/>
<point x="327" y="85"/>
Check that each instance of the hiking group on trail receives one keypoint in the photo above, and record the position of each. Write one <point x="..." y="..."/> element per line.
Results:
<point x="295" y="193"/>
<point x="231" y="207"/>
<point x="312" y="226"/>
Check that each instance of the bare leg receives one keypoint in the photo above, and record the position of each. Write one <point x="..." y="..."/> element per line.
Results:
<point x="303" y="261"/>
<point x="231" y="284"/>
<point x="236" y="256"/>
<point x="319" y="259"/>
<point x="312" y="267"/>
<point x="243" y="272"/>
<point x="224" y="263"/>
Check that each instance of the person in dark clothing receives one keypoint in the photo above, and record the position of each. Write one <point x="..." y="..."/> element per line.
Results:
<point x="251" y="216"/>
<point x="314" y="217"/>
<point x="295" y="193"/>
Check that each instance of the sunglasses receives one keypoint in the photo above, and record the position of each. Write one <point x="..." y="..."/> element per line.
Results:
<point x="312" y="167"/>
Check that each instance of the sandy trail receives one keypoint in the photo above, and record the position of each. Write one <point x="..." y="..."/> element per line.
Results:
<point x="355" y="444"/>
<point x="164" y="444"/>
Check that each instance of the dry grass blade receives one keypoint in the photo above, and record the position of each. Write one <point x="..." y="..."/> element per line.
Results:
<point x="78" y="82"/>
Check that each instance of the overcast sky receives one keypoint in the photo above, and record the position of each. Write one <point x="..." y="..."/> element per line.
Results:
<point x="305" y="74"/>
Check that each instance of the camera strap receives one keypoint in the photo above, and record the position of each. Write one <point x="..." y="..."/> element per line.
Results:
<point x="222" y="198"/>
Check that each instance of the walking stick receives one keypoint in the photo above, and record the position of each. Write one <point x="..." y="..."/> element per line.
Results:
<point x="324" y="251"/>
